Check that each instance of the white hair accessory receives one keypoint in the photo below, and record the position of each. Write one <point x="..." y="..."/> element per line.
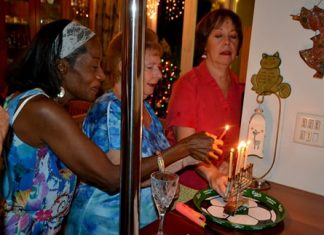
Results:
<point x="74" y="36"/>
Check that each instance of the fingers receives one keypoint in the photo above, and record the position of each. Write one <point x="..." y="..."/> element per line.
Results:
<point x="211" y="135"/>
<point x="213" y="155"/>
<point x="214" y="137"/>
<point x="219" y="184"/>
<point x="205" y="149"/>
<point x="206" y="154"/>
<point x="216" y="142"/>
<point x="201" y="155"/>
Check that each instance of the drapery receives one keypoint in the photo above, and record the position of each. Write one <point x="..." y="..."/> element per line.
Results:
<point x="107" y="22"/>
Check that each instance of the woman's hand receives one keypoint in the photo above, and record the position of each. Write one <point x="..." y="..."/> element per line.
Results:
<point x="218" y="182"/>
<point x="218" y="178"/>
<point x="203" y="146"/>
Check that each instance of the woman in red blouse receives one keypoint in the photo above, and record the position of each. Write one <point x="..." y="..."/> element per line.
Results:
<point x="209" y="96"/>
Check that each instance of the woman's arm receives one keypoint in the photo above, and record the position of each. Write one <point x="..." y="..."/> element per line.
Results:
<point x="216" y="179"/>
<point x="197" y="145"/>
<point x="4" y="124"/>
<point x="49" y="124"/>
<point x="43" y="122"/>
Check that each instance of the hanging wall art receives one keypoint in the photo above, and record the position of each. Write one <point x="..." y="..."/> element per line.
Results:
<point x="313" y="19"/>
<point x="268" y="81"/>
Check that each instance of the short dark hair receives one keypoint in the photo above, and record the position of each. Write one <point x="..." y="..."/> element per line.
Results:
<point x="208" y="23"/>
<point x="37" y="68"/>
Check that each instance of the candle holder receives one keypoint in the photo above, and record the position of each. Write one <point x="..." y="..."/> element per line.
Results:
<point x="235" y="188"/>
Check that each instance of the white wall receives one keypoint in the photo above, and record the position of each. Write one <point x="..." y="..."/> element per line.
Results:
<point x="297" y="165"/>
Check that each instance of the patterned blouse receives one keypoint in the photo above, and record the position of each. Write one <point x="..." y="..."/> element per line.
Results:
<point x="37" y="186"/>
<point x="94" y="211"/>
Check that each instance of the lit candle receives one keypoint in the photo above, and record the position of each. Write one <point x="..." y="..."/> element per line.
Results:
<point x="224" y="132"/>
<point x="243" y="163"/>
<point x="245" y="154"/>
<point x="237" y="166"/>
<point x="230" y="167"/>
<point x="239" y="158"/>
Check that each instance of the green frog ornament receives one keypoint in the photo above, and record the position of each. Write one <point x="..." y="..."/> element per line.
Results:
<point x="268" y="80"/>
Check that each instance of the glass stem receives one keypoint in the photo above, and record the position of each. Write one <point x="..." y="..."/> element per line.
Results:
<point x="160" y="232"/>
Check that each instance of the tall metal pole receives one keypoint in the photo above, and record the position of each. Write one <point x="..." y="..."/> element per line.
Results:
<point x="133" y="23"/>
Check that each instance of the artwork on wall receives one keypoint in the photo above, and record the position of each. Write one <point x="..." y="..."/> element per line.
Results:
<point x="256" y="133"/>
<point x="268" y="81"/>
<point x="313" y="19"/>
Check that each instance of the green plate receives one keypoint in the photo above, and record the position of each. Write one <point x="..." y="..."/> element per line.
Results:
<point x="261" y="211"/>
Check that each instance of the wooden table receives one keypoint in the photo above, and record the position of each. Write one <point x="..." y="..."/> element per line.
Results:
<point x="304" y="216"/>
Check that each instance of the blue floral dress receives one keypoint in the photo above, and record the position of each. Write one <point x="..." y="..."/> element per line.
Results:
<point x="37" y="187"/>
<point x="94" y="211"/>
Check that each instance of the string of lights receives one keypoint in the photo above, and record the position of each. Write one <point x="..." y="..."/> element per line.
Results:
<point x="174" y="9"/>
<point x="160" y="98"/>
<point x="151" y="8"/>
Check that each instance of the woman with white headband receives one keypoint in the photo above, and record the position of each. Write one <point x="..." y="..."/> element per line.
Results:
<point x="47" y="147"/>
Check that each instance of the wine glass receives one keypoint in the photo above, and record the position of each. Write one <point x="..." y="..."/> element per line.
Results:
<point x="164" y="186"/>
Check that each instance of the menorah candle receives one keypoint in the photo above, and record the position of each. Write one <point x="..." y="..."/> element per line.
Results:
<point x="245" y="155"/>
<point x="239" y="161"/>
<point x="224" y="132"/>
<point x="230" y="167"/>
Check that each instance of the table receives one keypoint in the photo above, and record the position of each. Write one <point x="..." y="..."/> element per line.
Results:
<point x="304" y="215"/>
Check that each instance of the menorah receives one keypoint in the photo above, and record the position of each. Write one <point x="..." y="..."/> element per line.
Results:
<point x="236" y="185"/>
<point x="240" y="180"/>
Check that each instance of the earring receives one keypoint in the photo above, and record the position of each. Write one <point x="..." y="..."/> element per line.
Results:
<point x="61" y="93"/>
<point x="204" y="55"/>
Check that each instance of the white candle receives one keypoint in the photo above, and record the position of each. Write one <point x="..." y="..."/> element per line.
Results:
<point x="238" y="156"/>
<point x="230" y="167"/>
<point x="224" y="132"/>
<point x="239" y="161"/>
<point x="245" y="155"/>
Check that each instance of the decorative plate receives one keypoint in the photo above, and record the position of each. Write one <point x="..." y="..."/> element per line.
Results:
<point x="260" y="212"/>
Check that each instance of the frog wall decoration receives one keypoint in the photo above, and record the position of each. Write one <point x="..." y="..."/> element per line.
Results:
<point x="268" y="79"/>
<point x="313" y="19"/>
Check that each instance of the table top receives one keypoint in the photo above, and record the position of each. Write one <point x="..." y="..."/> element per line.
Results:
<point x="304" y="215"/>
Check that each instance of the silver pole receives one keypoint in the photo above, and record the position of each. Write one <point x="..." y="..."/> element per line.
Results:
<point x="133" y="23"/>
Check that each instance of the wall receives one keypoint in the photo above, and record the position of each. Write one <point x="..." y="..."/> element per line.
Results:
<point x="297" y="165"/>
<point x="245" y="10"/>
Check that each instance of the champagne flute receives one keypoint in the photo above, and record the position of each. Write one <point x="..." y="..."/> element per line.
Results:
<point x="164" y="186"/>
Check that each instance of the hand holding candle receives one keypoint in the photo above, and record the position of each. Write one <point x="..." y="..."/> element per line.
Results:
<point x="224" y="132"/>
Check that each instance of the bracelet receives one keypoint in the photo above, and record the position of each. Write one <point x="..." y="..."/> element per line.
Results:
<point x="160" y="161"/>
